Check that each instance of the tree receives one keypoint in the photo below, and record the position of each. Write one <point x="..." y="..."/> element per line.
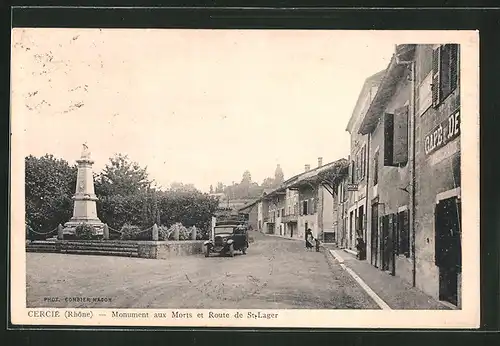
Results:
<point x="211" y="189"/>
<point x="124" y="192"/>
<point x="122" y="177"/>
<point x="247" y="178"/>
<point x="268" y="183"/>
<point x="49" y="185"/>
<point x="220" y="187"/>
<point x="176" y="186"/>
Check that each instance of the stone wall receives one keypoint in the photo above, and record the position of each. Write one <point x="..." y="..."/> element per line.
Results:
<point x="165" y="250"/>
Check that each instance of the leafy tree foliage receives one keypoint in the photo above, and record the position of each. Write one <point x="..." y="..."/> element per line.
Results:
<point x="126" y="196"/>
<point x="49" y="185"/>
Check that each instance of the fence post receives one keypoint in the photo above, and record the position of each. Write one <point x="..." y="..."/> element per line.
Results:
<point x="106" y="231"/>
<point x="60" y="233"/>
<point x="176" y="232"/>
<point x="193" y="233"/>
<point x="155" y="232"/>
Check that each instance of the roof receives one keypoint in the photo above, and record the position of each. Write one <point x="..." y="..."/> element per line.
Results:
<point x="294" y="181"/>
<point x="393" y="74"/>
<point x="370" y="82"/>
<point x="311" y="177"/>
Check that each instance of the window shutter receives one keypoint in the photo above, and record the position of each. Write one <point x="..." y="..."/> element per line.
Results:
<point x="352" y="172"/>
<point x="404" y="234"/>
<point x="438" y="237"/>
<point x="436" y="82"/>
<point x="388" y="139"/>
<point x="364" y="161"/>
<point x="400" y="154"/>
<point x="454" y="66"/>
<point x="301" y="208"/>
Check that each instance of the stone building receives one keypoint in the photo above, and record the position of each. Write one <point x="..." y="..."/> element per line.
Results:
<point x="357" y="189"/>
<point x="388" y="179"/>
<point x="437" y="167"/>
<point x="411" y="172"/>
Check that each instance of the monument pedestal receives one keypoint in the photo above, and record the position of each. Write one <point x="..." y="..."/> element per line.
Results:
<point x="84" y="210"/>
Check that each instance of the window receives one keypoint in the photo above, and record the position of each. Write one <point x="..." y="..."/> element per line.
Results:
<point x="304" y="207"/>
<point x="445" y="72"/>
<point x="375" y="168"/>
<point x="396" y="137"/>
<point x="388" y="138"/>
<point x="403" y="234"/>
<point x="278" y="213"/>
<point x="283" y="212"/>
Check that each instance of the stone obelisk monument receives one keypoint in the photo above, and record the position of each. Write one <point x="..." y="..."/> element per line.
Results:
<point x="84" y="210"/>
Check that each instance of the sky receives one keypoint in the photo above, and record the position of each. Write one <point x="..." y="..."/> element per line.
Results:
<point x="194" y="106"/>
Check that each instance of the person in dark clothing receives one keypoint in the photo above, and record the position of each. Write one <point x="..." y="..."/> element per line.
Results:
<point x="309" y="239"/>
<point x="360" y="246"/>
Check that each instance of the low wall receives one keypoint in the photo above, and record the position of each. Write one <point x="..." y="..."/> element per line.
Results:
<point x="130" y="248"/>
<point x="167" y="249"/>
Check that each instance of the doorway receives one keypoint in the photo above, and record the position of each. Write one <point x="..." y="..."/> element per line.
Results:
<point x="448" y="248"/>
<point x="387" y="244"/>
<point x="305" y="228"/>
<point x="351" y="228"/>
<point x="374" y="235"/>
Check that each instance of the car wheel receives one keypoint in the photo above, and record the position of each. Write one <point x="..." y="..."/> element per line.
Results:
<point x="207" y="251"/>
<point x="231" y="250"/>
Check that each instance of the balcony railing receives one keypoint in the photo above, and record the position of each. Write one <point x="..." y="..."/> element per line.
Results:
<point x="290" y="218"/>
<point x="269" y="219"/>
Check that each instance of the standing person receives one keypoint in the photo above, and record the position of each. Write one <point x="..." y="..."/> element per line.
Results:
<point x="309" y="239"/>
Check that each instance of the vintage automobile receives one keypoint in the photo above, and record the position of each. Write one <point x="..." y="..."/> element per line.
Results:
<point x="226" y="239"/>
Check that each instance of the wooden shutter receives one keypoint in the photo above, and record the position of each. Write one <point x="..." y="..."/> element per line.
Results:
<point x="438" y="237"/>
<point x="400" y="154"/>
<point x="352" y="172"/>
<point x="363" y="161"/>
<point x="388" y="139"/>
<point x="436" y="80"/>
<point x="404" y="234"/>
<point x="454" y="66"/>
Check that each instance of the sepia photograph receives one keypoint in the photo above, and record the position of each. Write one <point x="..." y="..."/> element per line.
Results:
<point x="286" y="178"/>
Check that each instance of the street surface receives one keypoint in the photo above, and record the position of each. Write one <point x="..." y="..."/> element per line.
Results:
<point x="276" y="273"/>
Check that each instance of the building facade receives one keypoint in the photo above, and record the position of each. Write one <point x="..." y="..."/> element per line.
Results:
<point x="389" y="179"/>
<point x="412" y="177"/>
<point x="437" y="164"/>
<point x="358" y="171"/>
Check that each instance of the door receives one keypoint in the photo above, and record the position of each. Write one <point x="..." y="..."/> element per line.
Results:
<point x="384" y="240"/>
<point x="448" y="251"/>
<point x="374" y="235"/>
<point x="291" y="230"/>
<point x="387" y="244"/>
<point x="391" y="243"/>
<point x="361" y="223"/>
<point x="351" y="228"/>
<point x="305" y="232"/>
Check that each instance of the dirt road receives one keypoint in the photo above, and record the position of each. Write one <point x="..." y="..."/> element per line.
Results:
<point x="276" y="273"/>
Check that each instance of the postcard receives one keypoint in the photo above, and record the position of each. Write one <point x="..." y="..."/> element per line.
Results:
<point x="244" y="178"/>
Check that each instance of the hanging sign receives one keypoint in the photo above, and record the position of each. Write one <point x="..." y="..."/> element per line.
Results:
<point x="352" y="187"/>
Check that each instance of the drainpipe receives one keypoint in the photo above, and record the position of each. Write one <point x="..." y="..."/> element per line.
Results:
<point x="365" y="224"/>
<point x="413" y="174"/>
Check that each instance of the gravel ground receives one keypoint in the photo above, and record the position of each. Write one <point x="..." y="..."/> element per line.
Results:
<point x="276" y="273"/>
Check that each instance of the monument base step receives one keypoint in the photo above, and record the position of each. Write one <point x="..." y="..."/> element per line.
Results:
<point x="100" y="253"/>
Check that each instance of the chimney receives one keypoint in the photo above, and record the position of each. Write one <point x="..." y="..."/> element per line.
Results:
<point x="307" y="168"/>
<point x="320" y="161"/>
